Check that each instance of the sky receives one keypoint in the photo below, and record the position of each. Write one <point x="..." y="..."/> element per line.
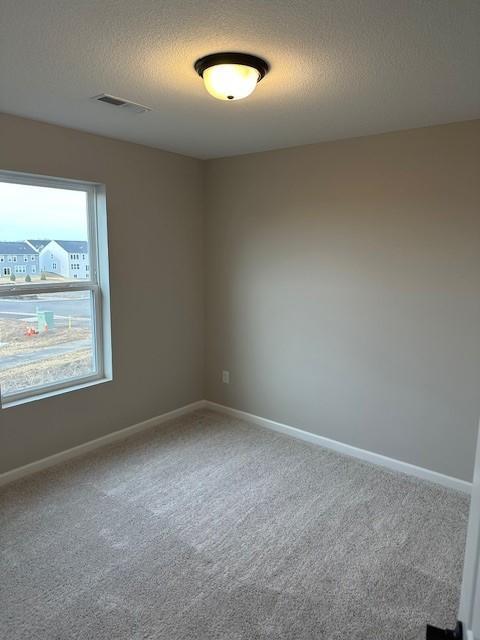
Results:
<point x="38" y="213"/>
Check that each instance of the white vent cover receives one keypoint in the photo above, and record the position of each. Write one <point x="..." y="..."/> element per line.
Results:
<point x="121" y="103"/>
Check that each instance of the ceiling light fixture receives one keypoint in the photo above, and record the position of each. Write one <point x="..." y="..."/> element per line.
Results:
<point x="231" y="76"/>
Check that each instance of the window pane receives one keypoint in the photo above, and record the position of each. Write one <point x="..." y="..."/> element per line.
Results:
<point x="43" y="234"/>
<point x="45" y="339"/>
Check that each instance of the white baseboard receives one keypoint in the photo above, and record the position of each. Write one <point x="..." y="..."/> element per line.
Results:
<point x="56" y="458"/>
<point x="346" y="449"/>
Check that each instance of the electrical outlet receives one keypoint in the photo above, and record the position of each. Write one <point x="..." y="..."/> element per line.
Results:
<point x="226" y="377"/>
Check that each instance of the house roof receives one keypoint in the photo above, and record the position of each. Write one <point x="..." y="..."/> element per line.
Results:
<point x="16" y="248"/>
<point x="74" y="246"/>
<point x="38" y="244"/>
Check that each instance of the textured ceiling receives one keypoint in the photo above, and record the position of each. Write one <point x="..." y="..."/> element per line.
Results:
<point x="340" y="68"/>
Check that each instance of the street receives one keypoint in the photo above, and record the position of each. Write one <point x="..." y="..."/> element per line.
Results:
<point x="62" y="305"/>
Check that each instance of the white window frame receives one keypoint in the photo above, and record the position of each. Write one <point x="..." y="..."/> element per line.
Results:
<point x="97" y="285"/>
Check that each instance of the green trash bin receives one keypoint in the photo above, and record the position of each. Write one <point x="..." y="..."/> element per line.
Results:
<point x="45" y="321"/>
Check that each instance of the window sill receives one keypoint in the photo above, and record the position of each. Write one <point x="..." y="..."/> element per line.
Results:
<point x="56" y="392"/>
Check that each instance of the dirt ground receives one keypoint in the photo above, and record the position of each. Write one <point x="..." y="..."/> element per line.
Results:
<point x="13" y="341"/>
<point x="50" y="370"/>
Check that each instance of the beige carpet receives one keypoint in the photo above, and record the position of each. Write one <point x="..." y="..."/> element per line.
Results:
<point x="208" y="528"/>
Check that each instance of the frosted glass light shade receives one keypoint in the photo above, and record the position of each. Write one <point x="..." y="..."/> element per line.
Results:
<point x="230" y="81"/>
<point x="231" y="75"/>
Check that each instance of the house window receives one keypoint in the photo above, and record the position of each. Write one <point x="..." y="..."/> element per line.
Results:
<point x="58" y="336"/>
<point x="32" y="258"/>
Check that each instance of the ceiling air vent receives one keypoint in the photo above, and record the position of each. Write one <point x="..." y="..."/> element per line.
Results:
<point x="120" y="103"/>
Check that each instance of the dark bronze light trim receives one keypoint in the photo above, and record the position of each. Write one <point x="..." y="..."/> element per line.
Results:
<point x="231" y="57"/>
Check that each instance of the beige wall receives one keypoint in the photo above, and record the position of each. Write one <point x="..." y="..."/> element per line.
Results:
<point x="343" y="291"/>
<point x="155" y="215"/>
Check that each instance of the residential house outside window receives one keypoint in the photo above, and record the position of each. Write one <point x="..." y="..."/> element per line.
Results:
<point x="54" y="325"/>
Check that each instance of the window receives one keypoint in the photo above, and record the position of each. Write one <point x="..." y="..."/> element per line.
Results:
<point x="54" y="326"/>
